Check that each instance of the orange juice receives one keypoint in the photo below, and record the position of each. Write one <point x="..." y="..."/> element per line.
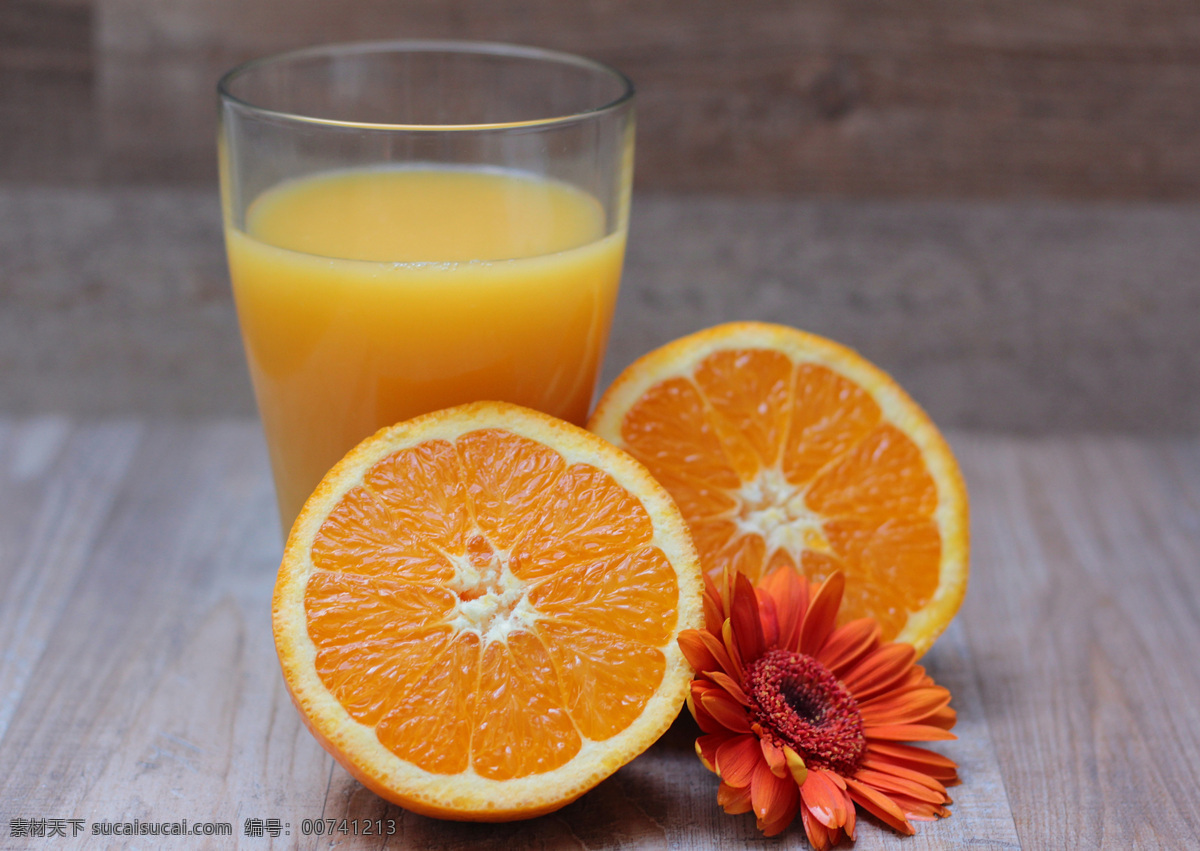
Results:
<point x="369" y="296"/>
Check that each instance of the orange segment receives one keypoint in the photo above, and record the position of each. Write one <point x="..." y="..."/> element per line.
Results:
<point x="631" y="595"/>
<point x="429" y="717"/>
<point x="507" y="478"/>
<point x="477" y="612"/>
<point x="585" y="516"/>
<point x="520" y="701"/>
<point x="784" y="450"/>
<point x="360" y="537"/>
<point x="606" y="681"/>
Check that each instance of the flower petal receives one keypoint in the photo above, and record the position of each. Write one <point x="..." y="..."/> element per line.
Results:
<point x="737" y="758"/>
<point x="703" y="717"/>
<point x="769" y="618"/>
<point x="706" y="749"/>
<point x="789" y="590"/>
<point x="823" y="797"/>
<point x="891" y="785"/>
<point x="726" y="682"/>
<point x="736" y="659"/>
<point x="847" y="644"/>
<point x="880" y="671"/>
<point x="881" y="764"/>
<point x="778" y="825"/>
<point x="714" y="646"/>
<point x="879" y="805"/>
<point x="909" y="707"/>
<point x="725" y="711"/>
<point x="915" y="810"/>
<point x="734" y="800"/>
<point x="945" y="718"/>
<point x="772" y="796"/>
<point x="773" y="754"/>
<point x="696" y="652"/>
<point x="818" y="834"/>
<point x="822" y="612"/>
<point x="744" y="616"/>
<point x="714" y="611"/>
<point x="796" y="766"/>
<point x="939" y="767"/>
<point x="908" y="733"/>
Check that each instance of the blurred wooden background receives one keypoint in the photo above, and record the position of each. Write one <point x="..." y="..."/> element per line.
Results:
<point x="993" y="98"/>
<point x="994" y="200"/>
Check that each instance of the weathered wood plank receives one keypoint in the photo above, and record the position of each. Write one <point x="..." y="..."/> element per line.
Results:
<point x="1078" y="99"/>
<point x="1082" y="623"/>
<point x="59" y="484"/>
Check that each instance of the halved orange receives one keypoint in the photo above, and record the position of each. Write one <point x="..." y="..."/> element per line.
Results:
<point x="477" y="612"/>
<point x="787" y="450"/>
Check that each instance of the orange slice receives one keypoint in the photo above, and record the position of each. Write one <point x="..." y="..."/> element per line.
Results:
<point x="477" y="612"/>
<point x="784" y="449"/>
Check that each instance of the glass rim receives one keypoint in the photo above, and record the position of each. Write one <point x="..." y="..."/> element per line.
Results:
<point x="480" y="48"/>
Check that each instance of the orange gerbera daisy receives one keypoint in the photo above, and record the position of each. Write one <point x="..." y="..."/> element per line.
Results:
<point x="800" y="716"/>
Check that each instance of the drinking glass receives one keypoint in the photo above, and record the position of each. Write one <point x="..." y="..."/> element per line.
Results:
<point x="414" y="225"/>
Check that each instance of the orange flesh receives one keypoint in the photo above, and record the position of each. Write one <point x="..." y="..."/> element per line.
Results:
<point x="475" y="595"/>
<point x="751" y="441"/>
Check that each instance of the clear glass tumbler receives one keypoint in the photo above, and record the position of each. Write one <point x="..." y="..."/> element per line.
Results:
<point x="415" y="225"/>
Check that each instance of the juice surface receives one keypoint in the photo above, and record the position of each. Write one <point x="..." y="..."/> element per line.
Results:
<point x="368" y="297"/>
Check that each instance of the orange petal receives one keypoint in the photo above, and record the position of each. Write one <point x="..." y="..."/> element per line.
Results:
<point x="908" y="733"/>
<point x="889" y="784"/>
<point x="879" y="805"/>
<point x="773" y="754"/>
<point x="746" y="624"/>
<point x="725" y="711"/>
<point x="818" y="834"/>
<point x="908" y="707"/>
<point x="939" y="767"/>
<point x="789" y="590"/>
<point x="796" y="766"/>
<point x="824" y="799"/>
<point x="730" y="639"/>
<point x="772" y="796"/>
<point x="714" y="611"/>
<point x="944" y="718"/>
<point x="880" y="671"/>
<point x="851" y="819"/>
<point x="726" y="682"/>
<point x="703" y="717"/>
<point x="718" y="651"/>
<point x="696" y="652"/>
<point x="847" y="644"/>
<point x="778" y="825"/>
<point x="737" y="759"/>
<point x="706" y="749"/>
<point x="876" y="763"/>
<point x="916" y="810"/>
<point x="769" y="619"/>
<point x="821" y="615"/>
<point x="734" y="800"/>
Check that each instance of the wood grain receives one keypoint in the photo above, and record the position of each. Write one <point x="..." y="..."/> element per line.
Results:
<point x="1074" y="99"/>
<point x="140" y="680"/>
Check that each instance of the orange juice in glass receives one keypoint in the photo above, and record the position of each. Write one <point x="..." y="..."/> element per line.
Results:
<point x="415" y="225"/>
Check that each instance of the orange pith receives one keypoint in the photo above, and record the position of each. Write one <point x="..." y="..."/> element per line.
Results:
<point x="488" y="611"/>
<point x="786" y="450"/>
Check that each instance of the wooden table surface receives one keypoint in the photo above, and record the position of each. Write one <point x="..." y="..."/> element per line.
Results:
<point x="138" y="679"/>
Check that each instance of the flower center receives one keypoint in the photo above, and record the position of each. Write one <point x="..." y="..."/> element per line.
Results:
<point x="798" y="702"/>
